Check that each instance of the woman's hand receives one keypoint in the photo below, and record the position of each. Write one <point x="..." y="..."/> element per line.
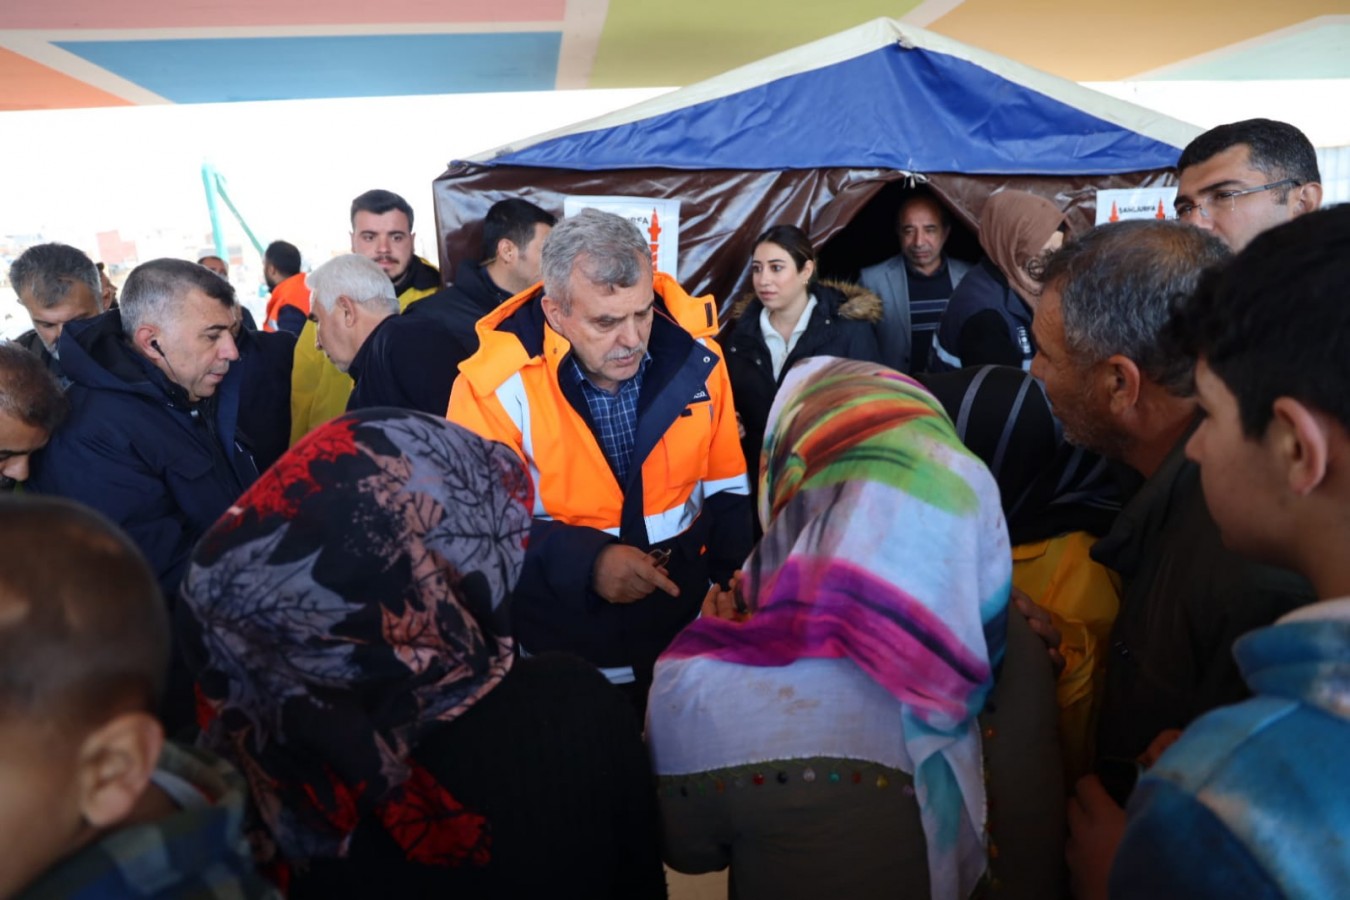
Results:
<point x="726" y="603"/>
<point x="1038" y="617"/>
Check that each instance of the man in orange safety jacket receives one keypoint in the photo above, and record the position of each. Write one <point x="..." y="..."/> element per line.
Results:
<point x="606" y="381"/>
<point x="288" y="307"/>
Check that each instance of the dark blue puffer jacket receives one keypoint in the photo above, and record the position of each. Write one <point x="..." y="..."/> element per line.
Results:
<point x="137" y="451"/>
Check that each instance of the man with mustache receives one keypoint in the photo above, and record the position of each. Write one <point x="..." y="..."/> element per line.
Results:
<point x="914" y="285"/>
<point x="152" y="440"/>
<point x="382" y="224"/>
<point x="606" y="380"/>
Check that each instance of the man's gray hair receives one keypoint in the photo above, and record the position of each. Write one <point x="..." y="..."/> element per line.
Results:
<point x="355" y="277"/>
<point x="1117" y="285"/>
<point x="46" y="272"/>
<point x="608" y="248"/>
<point x="155" y="291"/>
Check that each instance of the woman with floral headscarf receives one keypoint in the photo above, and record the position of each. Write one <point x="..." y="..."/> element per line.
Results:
<point x="988" y="318"/>
<point x="825" y="742"/>
<point x="348" y="619"/>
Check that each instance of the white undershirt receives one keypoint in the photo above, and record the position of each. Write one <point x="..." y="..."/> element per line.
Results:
<point x="779" y="348"/>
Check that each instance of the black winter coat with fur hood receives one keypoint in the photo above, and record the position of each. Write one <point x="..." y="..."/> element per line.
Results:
<point x="842" y="324"/>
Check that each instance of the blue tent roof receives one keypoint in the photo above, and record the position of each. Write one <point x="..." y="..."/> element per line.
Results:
<point x="894" y="106"/>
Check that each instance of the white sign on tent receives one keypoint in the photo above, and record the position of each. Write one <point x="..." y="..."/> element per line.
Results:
<point x="658" y="220"/>
<point x="1139" y="203"/>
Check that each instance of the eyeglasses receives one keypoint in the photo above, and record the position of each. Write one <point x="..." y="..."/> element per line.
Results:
<point x="1226" y="201"/>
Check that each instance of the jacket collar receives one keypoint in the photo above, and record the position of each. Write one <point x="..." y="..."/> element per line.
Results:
<point x="173" y="852"/>
<point x="420" y="276"/>
<point x="474" y="282"/>
<point x="833" y="298"/>
<point x="515" y="334"/>
<point x="363" y="352"/>
<point x="290" y="284"/>
<point x="1305" y="657"/>
<point x="1124" y="547"/>
<point x="96" y="354"/>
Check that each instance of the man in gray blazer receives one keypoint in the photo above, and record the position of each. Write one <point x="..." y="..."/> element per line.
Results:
<point x="914" y="285"/>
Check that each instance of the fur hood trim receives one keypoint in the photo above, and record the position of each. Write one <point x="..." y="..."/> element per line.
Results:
<point x="851" y="301"/>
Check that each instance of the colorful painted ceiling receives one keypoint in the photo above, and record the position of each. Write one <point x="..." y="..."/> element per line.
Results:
<point x="81" y="53"/>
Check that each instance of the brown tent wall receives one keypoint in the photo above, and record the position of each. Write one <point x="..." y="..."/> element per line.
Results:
<point x="722" y="212"/>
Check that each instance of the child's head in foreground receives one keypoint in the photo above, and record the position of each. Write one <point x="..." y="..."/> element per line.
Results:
<point x="84" y="644"/>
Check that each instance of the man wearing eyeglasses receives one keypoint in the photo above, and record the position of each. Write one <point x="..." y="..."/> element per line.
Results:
<point x="1244" y="178"/>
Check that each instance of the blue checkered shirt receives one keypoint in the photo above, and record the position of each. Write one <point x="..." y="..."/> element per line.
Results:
<point x="198" y="851"/>
<point x="614" y="415"/>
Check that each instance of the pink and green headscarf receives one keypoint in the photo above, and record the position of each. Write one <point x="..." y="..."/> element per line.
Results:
<point x="884" y="543"/>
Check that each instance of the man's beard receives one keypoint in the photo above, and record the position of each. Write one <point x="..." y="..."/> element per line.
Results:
<point x="1091" y="429"/>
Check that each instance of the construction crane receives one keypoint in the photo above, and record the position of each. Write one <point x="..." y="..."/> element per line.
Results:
<point x="214" y="183"/>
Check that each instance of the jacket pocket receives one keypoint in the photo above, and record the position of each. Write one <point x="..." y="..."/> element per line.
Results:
<point x="199" y="491"/>
<point x="687" y="443"/>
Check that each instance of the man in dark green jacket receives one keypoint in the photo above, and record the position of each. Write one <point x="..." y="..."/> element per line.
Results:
<point x="1118" y="391"/>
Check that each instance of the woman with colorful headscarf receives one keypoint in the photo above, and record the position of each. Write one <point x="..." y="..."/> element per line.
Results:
<point x="826" y="743"/>
<point x="349" y="624"/>
<point x="988" y="318"/>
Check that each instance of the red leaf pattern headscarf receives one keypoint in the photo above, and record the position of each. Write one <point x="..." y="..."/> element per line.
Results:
<point x="352" y="600"/>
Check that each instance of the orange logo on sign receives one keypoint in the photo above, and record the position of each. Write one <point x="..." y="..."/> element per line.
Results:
<point x="654" y="234"/>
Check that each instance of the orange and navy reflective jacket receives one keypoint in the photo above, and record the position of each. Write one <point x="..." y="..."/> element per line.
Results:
<point x="690" y="492"/>
<point x="289" y="292"/>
